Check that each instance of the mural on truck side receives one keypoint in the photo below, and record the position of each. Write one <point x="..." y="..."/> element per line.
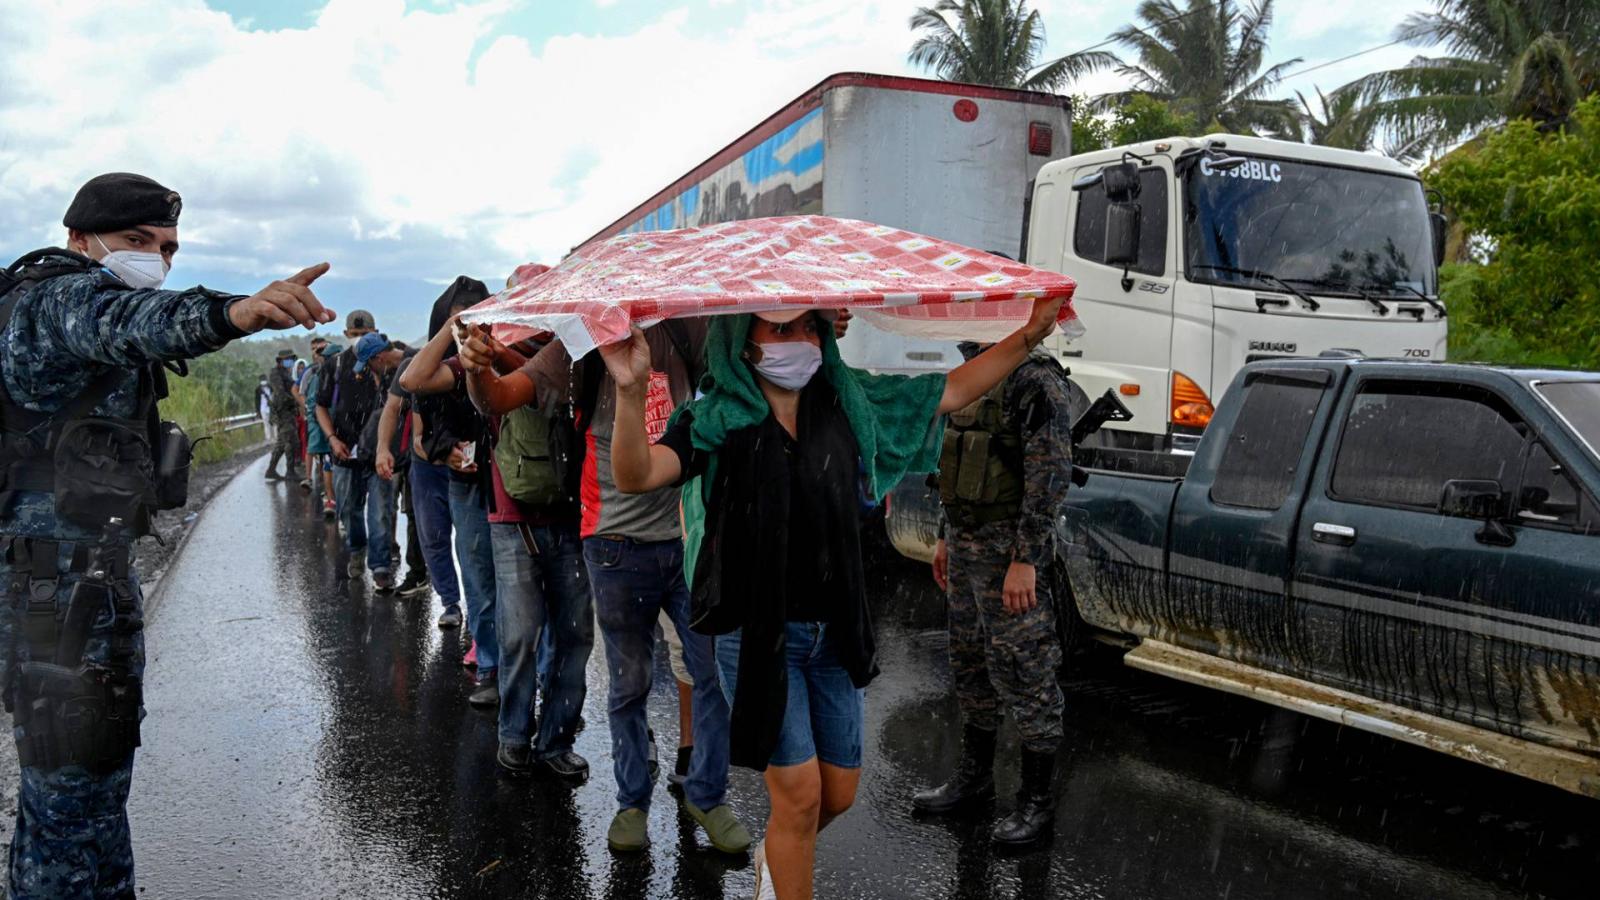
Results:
<point x="781" y="176"/>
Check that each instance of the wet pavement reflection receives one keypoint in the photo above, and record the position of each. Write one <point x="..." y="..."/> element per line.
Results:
<point x="312" y="740"/>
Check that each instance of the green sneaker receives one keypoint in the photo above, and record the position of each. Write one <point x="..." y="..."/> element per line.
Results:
<point x="724" y="829"/>
<point x="629" y="831"/>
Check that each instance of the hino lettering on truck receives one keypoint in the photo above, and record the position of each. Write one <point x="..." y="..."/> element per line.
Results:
<point x="1273" y="346"/>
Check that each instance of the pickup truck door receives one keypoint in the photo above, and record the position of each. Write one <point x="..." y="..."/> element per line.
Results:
<point x="1235" y="516"/>
<point x="1492" y="625"/>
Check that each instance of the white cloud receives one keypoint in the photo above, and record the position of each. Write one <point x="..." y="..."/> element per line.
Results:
<point x="418" y="144"/>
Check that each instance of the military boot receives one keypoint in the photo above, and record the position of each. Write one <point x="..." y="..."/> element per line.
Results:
<point x="272" y="466"/>
<point x="973" y="780"/>
<point x="1036" y="803"/>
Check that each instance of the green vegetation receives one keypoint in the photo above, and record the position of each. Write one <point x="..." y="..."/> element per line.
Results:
<point x="995" y="42"/>
<point x="1504" y="59"/>
<point x="222" y="385"/>
<point x="1139" y="119"/>
<point x="1530" y="201"/>
<point x="1206" y="62"/>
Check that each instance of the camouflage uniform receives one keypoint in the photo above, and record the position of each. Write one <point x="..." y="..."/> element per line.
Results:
<point x="1001" y="660"/>
<point x="71" y="837"/>
<point x="285" y="426"/>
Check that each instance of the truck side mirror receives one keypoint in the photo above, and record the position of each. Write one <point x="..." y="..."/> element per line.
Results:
<point x="1121" y="181"/>
<point x="1441" y="230"/>
<point x="1122" y="238"/>
<point x="1470" y="498"/>
<point x="1473" y="499"/>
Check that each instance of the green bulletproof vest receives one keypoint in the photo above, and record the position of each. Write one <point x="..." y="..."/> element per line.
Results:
<point x="980" y="468"/>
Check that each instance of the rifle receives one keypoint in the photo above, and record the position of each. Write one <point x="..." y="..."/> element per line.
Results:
<point x="1109" y="408"/>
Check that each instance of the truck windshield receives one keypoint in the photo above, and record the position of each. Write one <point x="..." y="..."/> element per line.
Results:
<point x="1578" y="402"/>
<point x="1332" y="230"/>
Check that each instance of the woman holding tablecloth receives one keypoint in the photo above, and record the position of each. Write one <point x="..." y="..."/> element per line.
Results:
<point x="775" y="460"/>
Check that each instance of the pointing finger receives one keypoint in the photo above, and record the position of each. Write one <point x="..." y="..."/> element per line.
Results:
<point x="305" y="276"/>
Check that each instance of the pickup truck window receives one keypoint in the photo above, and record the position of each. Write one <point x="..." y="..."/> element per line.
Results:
<point x="1263" y="452"/>
<point x="1089" y="231"/>
<point x="1578" y="403"/>
<point x="1548" y="495"/>
<point x="1404" y="440"/>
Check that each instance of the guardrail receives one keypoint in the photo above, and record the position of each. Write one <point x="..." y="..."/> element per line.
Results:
<point x="234" y="423"/>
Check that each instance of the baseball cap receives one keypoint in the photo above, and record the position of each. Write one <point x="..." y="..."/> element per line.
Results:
<point x="370" y="345"/>
<point x="358" y="318"/>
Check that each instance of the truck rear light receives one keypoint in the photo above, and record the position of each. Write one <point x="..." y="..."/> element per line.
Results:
<point x="1041" y="137"/>
<point x="1191" y="407"/>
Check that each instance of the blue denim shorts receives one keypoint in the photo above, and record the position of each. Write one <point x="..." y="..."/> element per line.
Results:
<point x="823" y="715"/>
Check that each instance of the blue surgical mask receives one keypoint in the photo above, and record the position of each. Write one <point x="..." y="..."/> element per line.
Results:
<point x="287" y="363"/>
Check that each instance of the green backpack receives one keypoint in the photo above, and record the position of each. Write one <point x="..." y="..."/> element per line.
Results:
<point x="535" y="457"/>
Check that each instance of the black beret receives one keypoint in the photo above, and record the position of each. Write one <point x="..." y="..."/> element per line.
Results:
<point x="122" y="200"/>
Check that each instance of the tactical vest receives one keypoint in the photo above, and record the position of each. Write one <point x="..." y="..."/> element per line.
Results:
<point x="97" y="467"/>
<point x="980" y="468"/>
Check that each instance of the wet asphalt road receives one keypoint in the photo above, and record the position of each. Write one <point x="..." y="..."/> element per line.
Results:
<point x="311" y="740"/>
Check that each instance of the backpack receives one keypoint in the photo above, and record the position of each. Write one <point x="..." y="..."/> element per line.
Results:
<point x="538" y="458"/>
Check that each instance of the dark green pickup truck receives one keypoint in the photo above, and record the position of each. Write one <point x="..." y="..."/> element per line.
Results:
<point x="1408" y="548"/>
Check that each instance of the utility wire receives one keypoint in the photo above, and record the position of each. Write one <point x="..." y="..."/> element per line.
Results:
<point x="1334" y="62"/>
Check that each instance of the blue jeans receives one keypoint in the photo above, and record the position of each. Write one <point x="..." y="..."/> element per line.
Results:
<point x="475" y="554"/>
<point x="430" y="503"/>
<point x="549" y="587"/>
<point x="823" y="715"/>
<point x="359" y="490"/>
<point x="633" y="581"/>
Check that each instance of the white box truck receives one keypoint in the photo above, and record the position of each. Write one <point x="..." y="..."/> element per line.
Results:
<point x="1194" y="256"/>
<point x="950" y="160"/>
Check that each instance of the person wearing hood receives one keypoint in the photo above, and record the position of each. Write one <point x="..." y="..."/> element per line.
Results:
<point x="450" y="472"/>
<point x="773" y="458"/>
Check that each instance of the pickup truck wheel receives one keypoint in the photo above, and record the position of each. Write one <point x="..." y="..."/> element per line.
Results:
<point x="1071" y="629"/>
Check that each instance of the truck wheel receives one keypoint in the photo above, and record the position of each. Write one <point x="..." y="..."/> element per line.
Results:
<point x="1071" y="629"/>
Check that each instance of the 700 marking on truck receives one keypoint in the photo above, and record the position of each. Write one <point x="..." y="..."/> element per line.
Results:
<point x="1418" y="353"/>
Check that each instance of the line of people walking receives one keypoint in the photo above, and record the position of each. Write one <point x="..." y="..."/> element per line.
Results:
<point x="546" y="496"/>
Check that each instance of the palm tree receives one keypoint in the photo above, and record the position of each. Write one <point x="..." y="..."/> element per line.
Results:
<point x="1504" y="59"/>
<point x="1206" y="61"/>
<point x="994" y="42"/>
<point x="1340" y="120"/>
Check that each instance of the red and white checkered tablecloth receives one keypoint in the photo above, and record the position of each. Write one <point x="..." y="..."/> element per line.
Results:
<point x="897" y="280"/>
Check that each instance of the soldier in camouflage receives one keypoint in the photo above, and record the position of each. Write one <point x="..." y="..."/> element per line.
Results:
<point x="90" y="321"/>
<point x="282" y="403"/>
<point x="1003" y="476"/>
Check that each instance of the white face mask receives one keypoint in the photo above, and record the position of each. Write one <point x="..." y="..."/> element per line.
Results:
<point x="137" y="268"/>
<point x="789" y="364"/>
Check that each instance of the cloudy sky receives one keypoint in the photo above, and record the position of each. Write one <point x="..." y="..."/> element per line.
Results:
<point x="408" y="141"/>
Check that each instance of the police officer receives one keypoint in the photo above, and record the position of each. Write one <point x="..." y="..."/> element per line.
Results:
<point x="1003" y="475"/>
<point x="282" y="403"/>
<point x="84" y="331"/>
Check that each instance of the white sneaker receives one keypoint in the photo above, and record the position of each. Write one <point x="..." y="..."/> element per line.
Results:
<point x="764" y="888"/>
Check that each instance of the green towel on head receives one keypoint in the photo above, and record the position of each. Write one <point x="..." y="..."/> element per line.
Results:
<point x="894" y="417"/>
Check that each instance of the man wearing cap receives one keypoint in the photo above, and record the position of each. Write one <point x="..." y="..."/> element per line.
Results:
<point x="84" y="331"/>
<point x="349" y="394"/>
<point x="281" y="402"/>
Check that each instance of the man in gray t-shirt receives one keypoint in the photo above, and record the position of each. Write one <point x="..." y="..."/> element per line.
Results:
<point x="633" y="547"/>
